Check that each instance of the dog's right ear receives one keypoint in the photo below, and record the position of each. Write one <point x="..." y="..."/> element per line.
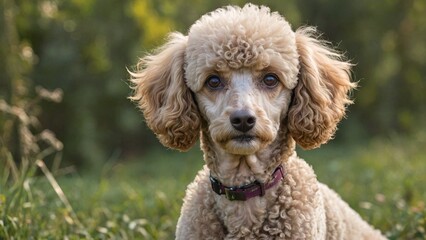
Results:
<point x="161" y="93"/>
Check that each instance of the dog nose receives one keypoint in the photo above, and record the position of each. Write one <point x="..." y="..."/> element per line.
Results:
<point x="242" y="120"/>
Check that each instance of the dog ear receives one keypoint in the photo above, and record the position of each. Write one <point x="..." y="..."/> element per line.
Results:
<point x="161" y="93"/>
<point x="321" y="94"/>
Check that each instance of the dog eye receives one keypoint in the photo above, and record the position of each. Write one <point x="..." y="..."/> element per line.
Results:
<point x="270" y="80"/>
<point x="214" y="82"/>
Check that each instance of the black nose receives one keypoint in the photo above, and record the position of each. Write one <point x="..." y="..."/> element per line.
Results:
<point x="242" y="120"/>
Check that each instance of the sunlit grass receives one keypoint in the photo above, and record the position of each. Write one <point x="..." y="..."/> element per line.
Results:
<point x="141" y="198"/>
<point x="137" y="199"/>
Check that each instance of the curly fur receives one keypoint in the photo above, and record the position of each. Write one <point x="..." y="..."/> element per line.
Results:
<point x="162" y="95"/>
<point x="322" y="92"/>
<point x="241" y="47"/>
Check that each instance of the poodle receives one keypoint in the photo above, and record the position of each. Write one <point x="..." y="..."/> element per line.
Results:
<point x="250" y="88"/>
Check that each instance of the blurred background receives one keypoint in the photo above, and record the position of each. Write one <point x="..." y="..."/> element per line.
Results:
<point x="73" y="148"/>
<point x="83" y="48"/>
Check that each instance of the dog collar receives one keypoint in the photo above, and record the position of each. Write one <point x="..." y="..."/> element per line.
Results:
<point x="248" y="191"/>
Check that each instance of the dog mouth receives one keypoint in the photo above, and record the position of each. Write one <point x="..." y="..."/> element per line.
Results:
<point x="243" y="144"/>
<point x="244" y="138"/>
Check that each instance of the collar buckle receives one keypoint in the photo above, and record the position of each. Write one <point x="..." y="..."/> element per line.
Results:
<point x="233" y="194"/>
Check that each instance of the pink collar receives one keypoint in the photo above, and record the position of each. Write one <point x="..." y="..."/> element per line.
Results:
<point x="248" y="191"/>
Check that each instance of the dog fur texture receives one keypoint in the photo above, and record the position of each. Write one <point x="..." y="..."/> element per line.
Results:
<point x="290" y="87"/>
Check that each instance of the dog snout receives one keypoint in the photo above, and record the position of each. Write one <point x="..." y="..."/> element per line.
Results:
<point x="242" y="120"/>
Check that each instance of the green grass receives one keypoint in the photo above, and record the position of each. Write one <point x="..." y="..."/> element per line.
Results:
<point x="384" y="180"/>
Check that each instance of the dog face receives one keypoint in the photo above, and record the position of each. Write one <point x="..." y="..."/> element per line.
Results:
<point x="243" y="65"/>
<point x="242" y="76"/>
<point x="243" y="108"/>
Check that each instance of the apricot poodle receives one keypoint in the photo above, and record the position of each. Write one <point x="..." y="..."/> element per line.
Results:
<point x="250" y="88"/>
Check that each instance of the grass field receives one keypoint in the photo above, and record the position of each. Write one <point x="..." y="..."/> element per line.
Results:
<point x="384" y="180"/>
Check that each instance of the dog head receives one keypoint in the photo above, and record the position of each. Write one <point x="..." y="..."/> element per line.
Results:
<point x="243" y="71"/>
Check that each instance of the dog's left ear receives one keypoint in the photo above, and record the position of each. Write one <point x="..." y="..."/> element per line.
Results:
<point x="161" y="93"/>
<point x="321" y="95"/>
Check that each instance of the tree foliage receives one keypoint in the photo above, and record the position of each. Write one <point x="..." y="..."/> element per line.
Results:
<point x="84" y="47"/>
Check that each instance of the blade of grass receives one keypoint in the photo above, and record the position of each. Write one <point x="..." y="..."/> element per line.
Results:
<point x="60" y="193"/>
<point x="12" y="166"/>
